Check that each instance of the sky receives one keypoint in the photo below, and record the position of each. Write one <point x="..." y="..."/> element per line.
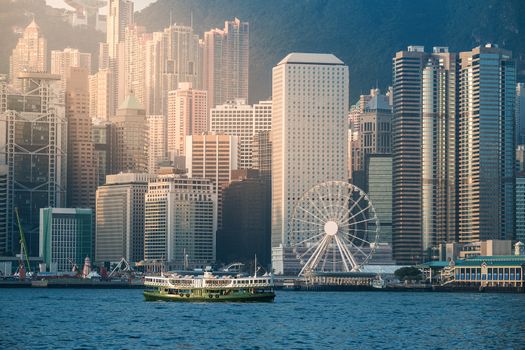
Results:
<point x="139" y="4"/>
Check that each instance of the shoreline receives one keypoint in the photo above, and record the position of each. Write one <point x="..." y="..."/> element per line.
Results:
<point x="88" y="284"/>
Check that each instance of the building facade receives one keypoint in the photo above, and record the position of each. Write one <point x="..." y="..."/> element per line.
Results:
<point x="424" y="134"/>
<point x="212" y="157"/>
<point x="101" y="104"/>
<point x="486" y="148"/>
<point x="156" y="142"/>
<point x="120" y="217"/>
<point x="226" y="62"/>
<point x="29" y="55"/>
<point x="309" y="134"/>
<point x="81" y="166"/>
<point x="33" y="145"/>
<point x="246" y="224"/>
<point x="520" y="209"/>
<point x="120" y="16"/>
<point x="61" y="61"/>
<point x="371" y="125"/>
<point x="520" y="113"/>
<point x="237" y="118"/>
<point x="172" y="56"/>
<point x="378" y="168"/>
<point x="131" y="63"/>
<point x="103" y="134"/>
<point x="131" y="133"/>
<point x="262" y="154"/>
<point x="187" y="115"/>
<point x="180" y="221"/>
<point x="65" y="237"/>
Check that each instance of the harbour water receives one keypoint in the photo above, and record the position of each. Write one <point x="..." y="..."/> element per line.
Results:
<point x="120" y="319"/>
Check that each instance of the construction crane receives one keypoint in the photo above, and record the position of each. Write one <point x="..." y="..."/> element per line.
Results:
<point x="23" y="245"/>
<point x="74" y="266"/>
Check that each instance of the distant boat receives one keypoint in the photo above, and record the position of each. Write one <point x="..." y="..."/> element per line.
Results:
<point x="209" y="288"/>
<point x="379" y="282"/>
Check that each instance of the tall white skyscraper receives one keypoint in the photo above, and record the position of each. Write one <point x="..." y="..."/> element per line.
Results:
<point x="120" y="15"/>
<point x="156" y="142"/>
<point x="309" y="135"/>
<point x="171" y="57"/>
<point x="226" y="62"/>
<point x="101" y="104"/>
<point x="131" y="63"/>
<point x="187" y="115"/>
<point x="29" y="55"/>
<point x="237" y="118"/>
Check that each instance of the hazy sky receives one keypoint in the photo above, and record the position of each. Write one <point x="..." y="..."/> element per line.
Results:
<point x="139" y="4"/>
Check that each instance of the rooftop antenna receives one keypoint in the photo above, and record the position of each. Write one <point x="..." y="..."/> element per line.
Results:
<point x="171" y="18"/>
<point x="191" y="19"/>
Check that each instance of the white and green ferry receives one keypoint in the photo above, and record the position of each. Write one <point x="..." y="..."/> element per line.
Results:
<point x="209" y="288"/>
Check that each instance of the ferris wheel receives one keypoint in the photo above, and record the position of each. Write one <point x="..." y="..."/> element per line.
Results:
<point x="334" y="228"/>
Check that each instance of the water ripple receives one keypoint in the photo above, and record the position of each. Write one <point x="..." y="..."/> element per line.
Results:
<point x="120" y="319"/>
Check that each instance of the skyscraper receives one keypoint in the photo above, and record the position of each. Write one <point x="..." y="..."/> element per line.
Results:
<point x="131" y="63"/>
<point x="245" y="222"/>
<point x="4" y="231"/>
<point x="33" y="145"/>
<point x="120" y="217"/>
<point x="378" y="169"/>
<point x="156" y="142"/>
<point x="226" y="62"/>
<point x="424" y="151"/>
<point x="309" y="134"/>
<point x="237" y="118"/>
<point x="171" y="57"/>
<point x="131" y="137"/>
<point x="486" y="144"/>
<point x="29" y="55"/>
<point x="101" y="104"/>
<point x="180" y="221"/>
<point x="187" y="115"/>
<point x="103" y="134"/>
<point x="81" y="166"/>
<point x="212" y="157"/>
<point x="520" y="208"/>
<point x="262" y="154"/>
<point x="120" y="15"/>
<point x="520" y="113"/>
<point x="439" y="115"/>
<point x="372" y="126"/>
<point x="62" y="60"/>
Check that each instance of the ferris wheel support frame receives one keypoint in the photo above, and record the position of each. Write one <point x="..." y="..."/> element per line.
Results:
<point x="337" y="215"/>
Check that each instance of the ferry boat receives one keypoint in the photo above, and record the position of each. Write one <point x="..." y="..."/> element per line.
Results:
<point x="209" y="288"/>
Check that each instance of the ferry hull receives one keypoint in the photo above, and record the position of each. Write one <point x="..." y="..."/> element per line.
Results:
<point x="260" y="297"/>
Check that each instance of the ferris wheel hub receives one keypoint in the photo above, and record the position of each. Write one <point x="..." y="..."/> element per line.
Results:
<point x="331" y="228"/>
